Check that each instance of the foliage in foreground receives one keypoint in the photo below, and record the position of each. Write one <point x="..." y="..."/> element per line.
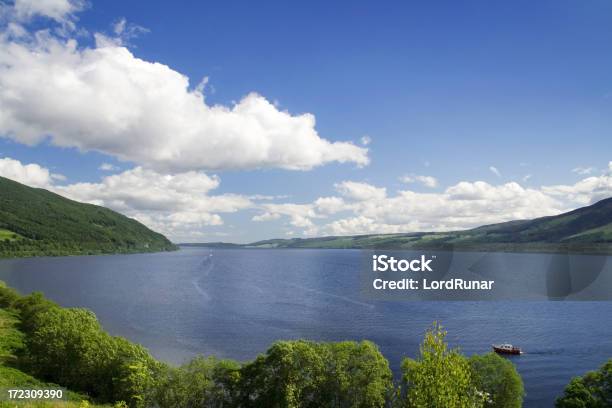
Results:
<point x="441" y="377"/>
<point x="593" y="390"/>
<point x="42" y="342"/>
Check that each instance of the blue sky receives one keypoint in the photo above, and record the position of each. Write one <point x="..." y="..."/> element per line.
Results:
<point x="442" y="89"/>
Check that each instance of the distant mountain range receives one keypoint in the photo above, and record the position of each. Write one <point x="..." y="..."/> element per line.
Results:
<point x="587" y="229"/>
<point x="36" y="222"/>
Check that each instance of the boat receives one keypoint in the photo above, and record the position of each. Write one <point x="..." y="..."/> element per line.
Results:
<point x="506" y="349"/>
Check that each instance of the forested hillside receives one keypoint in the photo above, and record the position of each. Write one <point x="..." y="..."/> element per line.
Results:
<point x="36" y="222"/>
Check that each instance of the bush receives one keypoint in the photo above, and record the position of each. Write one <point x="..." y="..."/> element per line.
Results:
<point x="594" y="390"/>
<point x="69" y="347"/>
<point x="498" y="378"/>
<point x="440" y="377"/>
<point x="307" y="374"/>
<point x="203" y="382"/>
<point x="8" y="296"/>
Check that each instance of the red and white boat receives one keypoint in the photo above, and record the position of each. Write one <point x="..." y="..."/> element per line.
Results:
<point x="506" y="349"/>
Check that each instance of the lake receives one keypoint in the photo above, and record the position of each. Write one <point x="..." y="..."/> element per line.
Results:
<point x="234" y="303"/>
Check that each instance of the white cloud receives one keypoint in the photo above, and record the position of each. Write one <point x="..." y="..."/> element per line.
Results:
<point x="366" y="140"/>
<point x="494" y="170"/>
<point x="299" y="214"/>
<point x="526" y="177"/>
<point x="30" y="174"/>
<point x="176" y="205"/>
<point x="108" y="167"/>
<point x="584" y="192"/>
<point x="463" y="205"/>
<point x="106" y="99"/>
<point x="184" y="207"/>
<point x="362" y="225"/>
<point x="58" y="10"/>
<point x="583" y="171"/>
<point x="360" y="191"/>
<point x="330" y="205"/>
<point x="427" y="181"/>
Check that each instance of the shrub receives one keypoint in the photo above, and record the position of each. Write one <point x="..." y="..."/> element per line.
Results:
<point x="440" y="377"/>
<point x="498" y="378"/>
<point x="594" y="390"/>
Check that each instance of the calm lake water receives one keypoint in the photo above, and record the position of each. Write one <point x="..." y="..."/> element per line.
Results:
<point x="236" y="302"/>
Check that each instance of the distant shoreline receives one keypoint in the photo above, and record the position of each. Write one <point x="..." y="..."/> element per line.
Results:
<point x="573" y="249"/>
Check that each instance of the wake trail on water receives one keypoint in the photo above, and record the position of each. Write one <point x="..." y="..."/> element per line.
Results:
<point x="206" y="267"/>
<point x="551" y="352"/>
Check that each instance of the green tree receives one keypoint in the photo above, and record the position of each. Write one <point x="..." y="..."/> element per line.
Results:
<point x="440" y="377"/>
<point x="29" y="307"/>
<point x="133" y="372"/>
<point x="498" y="378"/>
<point x="134" y="381"/>
<point x="289" y="375"/>
<point x="307" y="374"/>
<point x="357" y="375"/>
<point x="8" y="296"/>
<point x="203" y="382"/>
<point x="593" y="390"/>
<point x="67" y="346"/>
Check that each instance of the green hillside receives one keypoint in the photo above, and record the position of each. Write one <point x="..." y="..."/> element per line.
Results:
<point x="35" y="222"/>
<point x="587" y="229"/>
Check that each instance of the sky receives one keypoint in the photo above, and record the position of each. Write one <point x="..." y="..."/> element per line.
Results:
<point x="236" y="121"/>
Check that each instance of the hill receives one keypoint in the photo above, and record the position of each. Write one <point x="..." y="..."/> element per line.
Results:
<point x="587" y="229"/>
<point x="35" y="222"/>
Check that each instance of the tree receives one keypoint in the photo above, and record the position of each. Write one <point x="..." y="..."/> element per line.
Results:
<point x="594" y="390"/>
<point x="308" y="374"/>
<point x="67" y="346"/>
<point x="203" y="382"/>
<point x="357" y="376"/>
<point x="133" y="372"/>
<point x="8" y="296"/>
<point x="440" y="377"/>
<point x="498" y="378"/>
<point x="289" y="375"/>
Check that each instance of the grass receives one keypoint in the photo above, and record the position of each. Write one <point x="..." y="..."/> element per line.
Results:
<point x="11" y="339"/>
<point x="9" y="235"/>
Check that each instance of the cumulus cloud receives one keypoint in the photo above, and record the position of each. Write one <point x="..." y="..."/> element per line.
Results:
<point x="104" y="98"/>
<point x="58" y="10"/>
<point x="183" y="205"/>
<point x="427" y="181"/>
<point x="330" y="205"/>
<point x="362" y="225"/>
<point x="463" y="205"/>
<point x="460" y="206"/>
<point x="31" y="174"/>
<point x="172" y="204"/>
<point x="584" y="192"/>
<point x="360" y="191"/>
<point x="178" y="205"/>
<point x="299" y="214"/>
